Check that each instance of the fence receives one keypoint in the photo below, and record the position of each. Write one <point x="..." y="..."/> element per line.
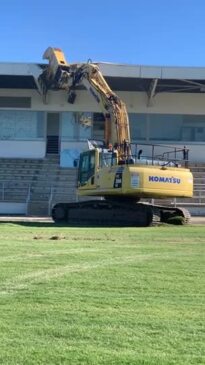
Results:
<point x="24" y="193"/>
<point x="11" y="191"/>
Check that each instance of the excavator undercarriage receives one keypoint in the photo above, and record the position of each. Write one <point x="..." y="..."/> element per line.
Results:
<point x="117" y="214"/>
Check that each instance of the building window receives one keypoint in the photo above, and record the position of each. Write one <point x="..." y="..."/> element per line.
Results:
<point x="21" y="125"/>
<point x="138" y="126"/>
<point x="85" y="125"/>
<point x="167" y="127"/>
<point x="193" y="128"/>
<point x="98" y="126"/>
<point x="15" y="102"/>
<point x="152" y="128"/>
<point x="77" y="125"/>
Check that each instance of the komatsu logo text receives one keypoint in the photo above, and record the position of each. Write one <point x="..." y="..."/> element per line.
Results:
<point x="170" y="180"/>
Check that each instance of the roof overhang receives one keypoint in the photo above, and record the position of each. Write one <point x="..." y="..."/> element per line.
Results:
<point x="151" y="80"/>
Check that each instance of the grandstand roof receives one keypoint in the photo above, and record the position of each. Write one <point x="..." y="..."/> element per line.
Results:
<point x="120" y="77"/>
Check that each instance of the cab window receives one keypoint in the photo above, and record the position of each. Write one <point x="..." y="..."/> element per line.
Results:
<point x="86" y="167"/>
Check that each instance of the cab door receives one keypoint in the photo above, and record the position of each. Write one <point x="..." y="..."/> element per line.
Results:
<point x="86" y="170"/>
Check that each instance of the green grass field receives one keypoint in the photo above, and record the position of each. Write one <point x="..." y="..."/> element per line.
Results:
<point x="102" y="296"/>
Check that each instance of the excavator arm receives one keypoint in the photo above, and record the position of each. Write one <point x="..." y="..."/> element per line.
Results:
<point x="61" y="75"/>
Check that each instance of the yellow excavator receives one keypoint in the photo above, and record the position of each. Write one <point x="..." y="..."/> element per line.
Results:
<point x="115" y="171"/>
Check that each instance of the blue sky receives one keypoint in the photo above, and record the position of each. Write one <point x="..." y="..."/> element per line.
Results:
<point x="149" y="32"/>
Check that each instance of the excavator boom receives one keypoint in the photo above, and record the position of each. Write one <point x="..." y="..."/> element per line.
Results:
<point x="61" y="75"/>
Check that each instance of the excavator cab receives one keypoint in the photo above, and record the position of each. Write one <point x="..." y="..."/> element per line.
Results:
<point x="91" y="161"/>
<point x="87" y="165"/>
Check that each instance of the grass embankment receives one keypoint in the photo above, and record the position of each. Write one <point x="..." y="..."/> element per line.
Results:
<point x="101" y="296"/>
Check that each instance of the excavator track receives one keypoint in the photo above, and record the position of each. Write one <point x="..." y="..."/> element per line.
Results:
<point x="117" y="214"/>
<point x="165" y="214"/>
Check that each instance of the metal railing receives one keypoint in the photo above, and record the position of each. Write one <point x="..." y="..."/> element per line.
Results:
<point x="157" y="154"/>
<point x="12" y="191"/>
<point x="148" y="154"/>
<point x="55" y="191"/>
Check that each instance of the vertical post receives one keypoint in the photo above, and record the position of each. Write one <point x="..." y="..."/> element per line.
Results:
<point x="107" y="129"/>
<point x="3" y="192"/>
<point x="28" y="198"/>
<point x="185" y="156"/>
<point x="152" y="154"/>
<point x="50" y="201"/>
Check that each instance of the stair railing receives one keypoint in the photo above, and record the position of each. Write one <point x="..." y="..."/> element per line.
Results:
<point x="28" y="198"/>
<point x="50" y="200"/>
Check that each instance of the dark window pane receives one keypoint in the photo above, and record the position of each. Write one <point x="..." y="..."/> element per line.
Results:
<point x="15" y="102"/>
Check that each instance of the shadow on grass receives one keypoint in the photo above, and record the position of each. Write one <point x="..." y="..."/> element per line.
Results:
<point x="36" y="224"/>
<point x="63" y="225"/>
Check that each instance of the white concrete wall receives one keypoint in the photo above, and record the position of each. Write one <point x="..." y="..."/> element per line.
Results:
<point x="161" y="72"/>
<point x="196" y="152"/>
<point x="22" y="149"/>
<point x="13" y="208"/>
<point x="136" y="102"/>
<point x="164" y="103"/>
<point x="70" y="151"/>
<point x="82" y="146"/>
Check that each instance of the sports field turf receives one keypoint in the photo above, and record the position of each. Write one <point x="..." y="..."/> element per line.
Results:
<point x="102" y="296"/>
